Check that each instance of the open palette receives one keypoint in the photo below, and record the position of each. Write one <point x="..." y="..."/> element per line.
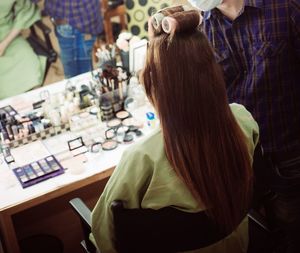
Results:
<point x="35" y="172"/>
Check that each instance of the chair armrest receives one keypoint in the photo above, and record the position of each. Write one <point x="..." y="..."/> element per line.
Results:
<point x="82" y="211"/>
<point x="259" y="220"/>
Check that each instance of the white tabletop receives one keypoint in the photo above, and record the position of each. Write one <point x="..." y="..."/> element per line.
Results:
<point x="77" y="168"/>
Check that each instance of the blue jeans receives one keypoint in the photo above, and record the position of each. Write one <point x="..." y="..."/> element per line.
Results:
<point x="76" y="50"/>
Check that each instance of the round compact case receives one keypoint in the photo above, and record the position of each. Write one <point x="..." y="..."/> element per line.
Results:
<point x="109" y="145"/>
<point x="122" y="115"/>
<point x="114" y="123"/>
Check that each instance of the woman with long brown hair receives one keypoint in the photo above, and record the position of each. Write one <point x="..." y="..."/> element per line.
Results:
<point x="200" y="158"/>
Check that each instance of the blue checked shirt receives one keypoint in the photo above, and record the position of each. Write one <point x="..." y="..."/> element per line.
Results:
<point x="260" y="54"/>
<point x="85" y="15"/>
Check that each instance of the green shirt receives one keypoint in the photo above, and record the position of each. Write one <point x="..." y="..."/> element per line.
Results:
<point x="20" y="68"/>
<point x="144" y="178"/>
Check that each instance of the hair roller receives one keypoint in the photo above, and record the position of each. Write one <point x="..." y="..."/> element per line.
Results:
<point x="161" y="14"/>
<point x="157" y="19"/>
<point x="169" y="24"/>
<point x="181" y="21"/>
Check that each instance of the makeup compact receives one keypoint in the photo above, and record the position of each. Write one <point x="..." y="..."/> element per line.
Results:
<point x="107" y="111"/>
<point x="38" y="171"/>
<point x="7" y="155"/>
<point x="121" y="133"/>
<point x="128" y="138"/>
<point x="96" y="147"/>
<point x="114" y="123"/>
<point x="132" y="122"/>
<point x="122" y="115"/>
<point x="110" y="133"/>
<point x="77" y="146"/>
<point x="109" y="145"/>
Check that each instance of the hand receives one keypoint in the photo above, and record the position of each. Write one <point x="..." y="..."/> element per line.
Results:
<point x="2" y="48"/>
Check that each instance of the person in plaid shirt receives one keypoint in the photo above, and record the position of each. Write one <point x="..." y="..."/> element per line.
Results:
<point x="258" y="45"/>
<point x="77" y="24"/>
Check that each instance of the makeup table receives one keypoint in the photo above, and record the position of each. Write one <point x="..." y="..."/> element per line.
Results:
<point x="80" y="171"/>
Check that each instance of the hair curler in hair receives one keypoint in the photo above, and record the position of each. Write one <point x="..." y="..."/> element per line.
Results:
<point x="158" y="17"/>
<point x="157" y="20"/>
<point x="169" y="24"/>
<point x="181" y="21"/>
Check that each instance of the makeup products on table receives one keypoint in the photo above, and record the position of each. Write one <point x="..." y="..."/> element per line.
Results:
<point x="96" y="147"/>
<point x="8" y="110"/>
<point x="5" y="150"/>
<point x="6" y="114"/>
<point x="85" y="119"/>
<point x="38" y="171"/>
<point x="77" y="146"/>
<point x="7" y="154"/>
<point x="105" y="145"/>
<point x="128" y="138"/>
<point x="110" y="133"/>
<point x="120" y="132"/>
<point x="107" y="111"/>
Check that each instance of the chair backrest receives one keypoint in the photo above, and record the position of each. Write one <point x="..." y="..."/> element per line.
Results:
<point x="42" y="45"/>
<point x="110" y="9"/>
<point x="164" y="230"/>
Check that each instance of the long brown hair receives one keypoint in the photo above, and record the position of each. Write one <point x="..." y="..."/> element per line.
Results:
<point x="203" y="142"/>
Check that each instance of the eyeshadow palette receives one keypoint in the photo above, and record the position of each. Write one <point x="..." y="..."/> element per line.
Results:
<point x="38" y="171"/>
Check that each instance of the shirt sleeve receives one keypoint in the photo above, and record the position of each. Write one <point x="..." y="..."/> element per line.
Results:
<point x="295" y="24"/>
<point x="247" y="124"/>
<point x="127" y="183"/>
<point x="26" y="13"/>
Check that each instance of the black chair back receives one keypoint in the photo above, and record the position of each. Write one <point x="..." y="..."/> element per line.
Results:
<point x="164" y="230"/>
<point x="42" y="45"/>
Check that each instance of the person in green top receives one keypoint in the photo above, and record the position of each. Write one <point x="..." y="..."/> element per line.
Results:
<point x="20" y="68"/>
<point x="200" y="157"/>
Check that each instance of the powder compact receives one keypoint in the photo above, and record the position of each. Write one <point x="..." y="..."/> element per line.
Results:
<point x="110" y="133"/>
<point x="132" y="122"/>
<point x="122" y="115"/>
<point x="128" y="138"/>
<point x="109" y="145"/>
<point x="114" y="123"/>
<point x="77" y="146"/>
